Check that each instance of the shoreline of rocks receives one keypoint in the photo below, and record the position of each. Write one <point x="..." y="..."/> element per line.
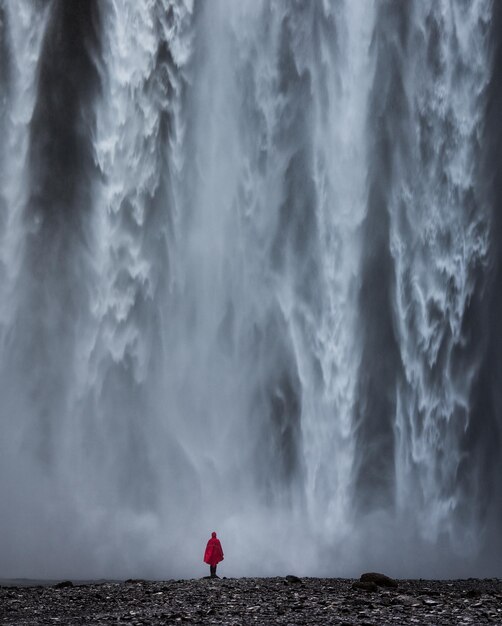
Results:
<point x="371" y="600"/>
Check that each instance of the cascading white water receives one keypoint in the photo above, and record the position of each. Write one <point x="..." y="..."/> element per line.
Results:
<point x="440" y="238"/>
<point x="246" y="252"/>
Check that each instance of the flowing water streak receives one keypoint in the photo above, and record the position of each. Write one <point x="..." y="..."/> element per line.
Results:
<point x="342" y="68"/>
<point x="46" y="194"/>
<point x="439" y="238"/>
<point x="138" y="139"/>
<point x="21" y="31"/>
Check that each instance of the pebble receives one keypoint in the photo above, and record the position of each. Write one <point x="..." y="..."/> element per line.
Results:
<point x="254" y="601"/>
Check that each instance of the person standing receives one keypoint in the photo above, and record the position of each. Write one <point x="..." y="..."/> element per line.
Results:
<point x="213" y="554"/>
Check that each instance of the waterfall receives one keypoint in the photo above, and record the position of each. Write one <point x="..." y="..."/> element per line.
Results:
<point x="249" y="282"/>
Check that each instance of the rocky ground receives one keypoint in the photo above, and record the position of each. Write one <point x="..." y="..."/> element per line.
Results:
<point x="255" y="601"/>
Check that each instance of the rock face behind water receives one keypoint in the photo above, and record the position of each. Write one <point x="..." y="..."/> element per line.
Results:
<point x="379" y="579"/>
<point x="257" y="601"/>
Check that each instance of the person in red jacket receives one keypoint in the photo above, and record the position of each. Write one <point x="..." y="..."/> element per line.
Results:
<point x="213" y="554"/>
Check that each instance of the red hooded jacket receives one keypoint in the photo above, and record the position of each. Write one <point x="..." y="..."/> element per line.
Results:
<point x="214" y="553"/>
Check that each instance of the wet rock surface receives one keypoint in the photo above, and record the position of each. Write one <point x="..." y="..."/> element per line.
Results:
<point x="254" y="601"/>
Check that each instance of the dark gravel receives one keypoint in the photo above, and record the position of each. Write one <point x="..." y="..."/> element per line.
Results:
<point x="254" y="601"/>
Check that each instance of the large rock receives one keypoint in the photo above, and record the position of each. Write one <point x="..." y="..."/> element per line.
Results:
<point x="63" y="584"/>
<point x="134" y="581"/>
<point x="365" y="586"/>
<point x="379" y="579"/>
<point x="293" y="579"/>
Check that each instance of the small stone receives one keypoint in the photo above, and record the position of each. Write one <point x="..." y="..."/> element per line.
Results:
<point x="405" y="600"/>
<point x="257" y="601"/>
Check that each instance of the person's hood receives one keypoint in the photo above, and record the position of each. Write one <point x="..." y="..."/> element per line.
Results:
<point x="213" y="535"/>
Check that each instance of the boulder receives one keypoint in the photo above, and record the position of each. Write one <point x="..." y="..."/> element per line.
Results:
<point x="134" y="581"/>
<point x="63" y="584"/>
<point x="379" y="579"/>
<point x="293" y="579"/>
<point x="365" y="586"/>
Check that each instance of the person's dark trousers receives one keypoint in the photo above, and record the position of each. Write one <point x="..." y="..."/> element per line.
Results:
<point x="213" y="570"/>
